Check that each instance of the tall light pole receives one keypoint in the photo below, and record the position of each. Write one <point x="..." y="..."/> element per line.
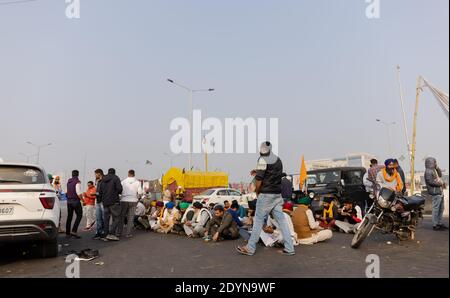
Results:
<point x="388" y="129"/>
<point x="405" y="126"/>
<point x="38" y="147"/>
<point x="191" y="112"/>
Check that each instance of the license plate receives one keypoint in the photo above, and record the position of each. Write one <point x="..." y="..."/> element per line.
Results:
<point x="6" y="210"/>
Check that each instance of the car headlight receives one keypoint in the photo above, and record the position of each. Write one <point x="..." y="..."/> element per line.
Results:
<point x="383" y="203"/>
<point x="312" y="195"/>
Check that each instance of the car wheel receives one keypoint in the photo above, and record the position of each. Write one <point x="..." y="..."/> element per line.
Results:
<point x="48" y="249"/>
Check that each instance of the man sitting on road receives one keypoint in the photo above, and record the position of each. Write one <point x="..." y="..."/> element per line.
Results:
<point x="141" y="217"/>
<point x="178" y="227"/>
<point x="221" y="226"/>
<point x="273" y="228"/>
<point x="349" y="217"/>
<point x="167" y="221"/>
<point x="195" y="220"/>
<point x="329" y="214"/>
<point x="233" y="210"/>
<point x="156" y="214"/>
<point x="307" y="228"/>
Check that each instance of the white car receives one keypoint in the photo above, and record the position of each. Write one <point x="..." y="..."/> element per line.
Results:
<point x="219" y="196"/>
<point x="29" y="208"/>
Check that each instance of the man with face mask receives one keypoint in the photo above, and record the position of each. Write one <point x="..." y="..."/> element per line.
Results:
<point x="389" y="177"/>
<point x="268" y="176"/>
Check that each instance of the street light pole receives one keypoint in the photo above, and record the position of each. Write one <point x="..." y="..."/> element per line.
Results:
<point x="388" y="125"/>
<point x="191" y="113"/>
<point x="39" y="147"/>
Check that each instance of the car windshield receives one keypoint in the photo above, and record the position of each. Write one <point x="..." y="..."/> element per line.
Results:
<point x="324" y="177"/>
<point x="353" y="177"/>
<point x="207" y="192"/>
<point x="20" y="175"/>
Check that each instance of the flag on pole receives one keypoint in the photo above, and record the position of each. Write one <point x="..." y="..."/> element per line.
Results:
<point x="303" y="175"/>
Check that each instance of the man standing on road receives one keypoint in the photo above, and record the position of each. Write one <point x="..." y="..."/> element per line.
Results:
<point x="89" y="205"/>
<point x="375" y="168"/>
<point x="110" y="189"/>
<point x="74" y="196"/>
<point x="435" y="186"/>
<point x="132" y="190"/>
<point x="268" y="189"/>
<point x="99" y="207"/>
<point x="286" y="188"/>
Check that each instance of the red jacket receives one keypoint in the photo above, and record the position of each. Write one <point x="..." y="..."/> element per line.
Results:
<point x="89" y="196"/>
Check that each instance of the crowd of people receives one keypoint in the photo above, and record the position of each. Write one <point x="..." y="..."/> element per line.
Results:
<point x="115" y="208"/>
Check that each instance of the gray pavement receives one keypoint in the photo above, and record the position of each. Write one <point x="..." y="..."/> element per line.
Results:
<point x="152" y="255"/>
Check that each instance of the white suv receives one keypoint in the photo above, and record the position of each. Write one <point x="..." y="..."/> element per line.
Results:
<point x="29" y="208"/>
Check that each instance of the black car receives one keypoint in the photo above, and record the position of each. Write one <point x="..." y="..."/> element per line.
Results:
<point x="340" y="183"/>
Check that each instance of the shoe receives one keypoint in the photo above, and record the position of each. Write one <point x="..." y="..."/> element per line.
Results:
<point x="285" y="253"/>
<point x="96" y="237"/>
<point x="112" y="238"/>
<point x="436" y="228"/>
<point x="442" y="227"/>
<point x="129" y="236"/>
<point x="75" y="235"/>
<point x="104" y="239"/>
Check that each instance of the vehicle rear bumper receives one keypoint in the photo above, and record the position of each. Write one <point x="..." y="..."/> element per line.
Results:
<point x="24" y="231"/>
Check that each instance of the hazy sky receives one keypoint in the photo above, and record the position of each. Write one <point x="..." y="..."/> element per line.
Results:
<point x="96" y="86"/>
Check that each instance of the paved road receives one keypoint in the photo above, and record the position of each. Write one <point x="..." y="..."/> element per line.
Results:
<point x="153" y="255"/>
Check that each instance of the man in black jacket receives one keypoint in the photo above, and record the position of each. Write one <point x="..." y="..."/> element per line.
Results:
<point x="110" y="189"/>
<point x="286" y="188"/>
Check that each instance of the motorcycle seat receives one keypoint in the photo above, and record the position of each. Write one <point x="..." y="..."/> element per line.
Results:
<point x="414" y="202"/>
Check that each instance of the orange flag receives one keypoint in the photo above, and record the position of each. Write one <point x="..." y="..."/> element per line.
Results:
<point x="303" y="175"/>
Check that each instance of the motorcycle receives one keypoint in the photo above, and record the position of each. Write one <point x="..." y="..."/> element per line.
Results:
<point x="392" y="214"/>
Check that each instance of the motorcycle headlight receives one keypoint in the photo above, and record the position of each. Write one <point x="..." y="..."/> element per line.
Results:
<point x="312" y="195"/>
<point x="383" y="203"/>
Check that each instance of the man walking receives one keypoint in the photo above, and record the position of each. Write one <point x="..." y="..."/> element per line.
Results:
<point x="110" y="189"/>
<point x="99" y="207"/>
<point x="435" y="186"/>
<point x="74" y="195"/>
<point x="268" y="189"/>
<point x="132" y="190"/>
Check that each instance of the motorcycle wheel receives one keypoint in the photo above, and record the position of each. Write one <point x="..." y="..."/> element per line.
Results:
<point x="362" y="233"/>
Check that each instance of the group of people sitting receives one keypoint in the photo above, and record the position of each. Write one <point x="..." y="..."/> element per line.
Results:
<point x="218" y="222"/>
<point x="194" y="220"/>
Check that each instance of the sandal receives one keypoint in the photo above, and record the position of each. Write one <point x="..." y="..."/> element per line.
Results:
<point x="243" y="250"/>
